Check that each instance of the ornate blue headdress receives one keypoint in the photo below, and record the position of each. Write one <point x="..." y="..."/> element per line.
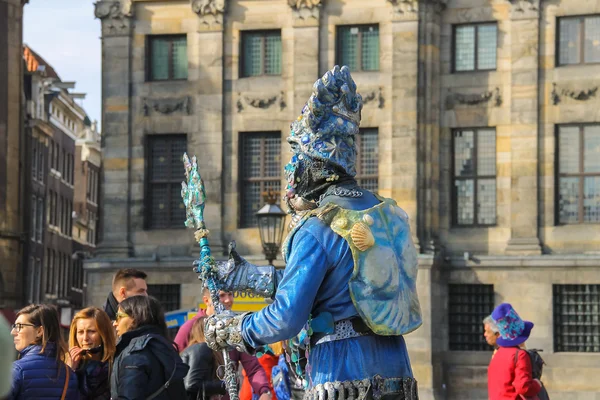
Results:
<point x="323" y="137"/>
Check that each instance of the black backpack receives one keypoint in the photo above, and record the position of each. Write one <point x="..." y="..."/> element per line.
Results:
<point x="537" y="367"/>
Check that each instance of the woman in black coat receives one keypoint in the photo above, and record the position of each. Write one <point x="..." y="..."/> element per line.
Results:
<point x="201" y="381"/>
<point x="147" y="365"/>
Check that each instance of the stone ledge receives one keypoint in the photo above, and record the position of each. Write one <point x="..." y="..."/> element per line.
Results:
<point x="518" y="262"/>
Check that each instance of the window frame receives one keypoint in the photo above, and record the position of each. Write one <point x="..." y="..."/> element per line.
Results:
<point x="561" y="292"/>
<point x="581" y="174"/>
<point x="264" y="33"/>
<point x="487" y="290"/>
<point x="338" y="46"/>
<point x="475" y="177"/>
<point x="475" y="45"/>
<point x="581" y="18"/>
<point x="148" y="181"/>
<point x="170" y="77"/>
<point x="262" y="180"/>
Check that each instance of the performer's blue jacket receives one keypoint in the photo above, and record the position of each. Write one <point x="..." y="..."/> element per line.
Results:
<point x="316" y="279"/>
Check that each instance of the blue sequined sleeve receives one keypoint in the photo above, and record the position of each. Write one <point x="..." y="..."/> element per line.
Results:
<point x="284" y="318"/>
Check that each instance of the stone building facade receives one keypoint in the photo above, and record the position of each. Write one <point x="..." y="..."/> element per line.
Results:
<point x="480" y="116"/>
<point x="12" y="150"/>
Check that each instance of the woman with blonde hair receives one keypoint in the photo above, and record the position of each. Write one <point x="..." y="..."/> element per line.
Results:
<point x="41" y="372"/>
<point x="92" y="350"/>
<point x="201" y="382"/>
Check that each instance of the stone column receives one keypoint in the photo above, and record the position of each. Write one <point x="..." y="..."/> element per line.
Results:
<point x="207" y="138"/>
<point x="304" y="69"/>
<point x="524" y="36"/>
<point x="401" y="148"/>
<point x="115" y="199"/>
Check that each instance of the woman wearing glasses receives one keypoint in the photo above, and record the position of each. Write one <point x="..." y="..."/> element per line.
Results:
<point x="41" y="372"/>
<point x="92" y="349"/>
<point x="146" y="363"/>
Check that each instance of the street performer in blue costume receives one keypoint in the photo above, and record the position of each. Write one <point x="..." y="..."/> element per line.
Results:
<point x="351" y="266"/>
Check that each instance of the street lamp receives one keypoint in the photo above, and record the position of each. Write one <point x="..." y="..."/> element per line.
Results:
<point x="271" y="222"/>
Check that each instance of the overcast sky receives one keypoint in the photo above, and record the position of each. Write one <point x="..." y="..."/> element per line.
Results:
<point x="66" y="34"/>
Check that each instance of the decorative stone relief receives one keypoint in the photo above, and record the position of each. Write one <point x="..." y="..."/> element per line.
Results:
<point x="262" y="103"/>
<point x="405" y="6"/>
<point x="453" y="99"/>
<point x="522" y="6"/>
<point x="115" y="16"/>
<point x="210" y="11"/>
<point x="374" y="95"/>
<point x="578" y="95"/>
<point x="305" y="9"/>
<point x="167" y="106"/>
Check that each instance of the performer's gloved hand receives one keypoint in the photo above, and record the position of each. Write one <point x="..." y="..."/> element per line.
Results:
<point x="237" y="274"/>
<point x="224" y="331"/>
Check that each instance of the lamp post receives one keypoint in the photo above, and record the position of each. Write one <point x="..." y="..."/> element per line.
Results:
<point x="271" y="225"/>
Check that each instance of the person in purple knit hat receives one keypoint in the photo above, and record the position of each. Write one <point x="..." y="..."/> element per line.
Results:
<point x="510" y="371"/>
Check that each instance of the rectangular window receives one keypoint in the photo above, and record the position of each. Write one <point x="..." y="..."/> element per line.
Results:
<point x="34" y="215"/>
<point x="468" y="305"/>
<point x="367" y="167"/>
<point x="260" y="171"/>
<point x="168" y="295"/>
<point x="474" y="168"/>
<point x="578" y="174"/>
<point x="34" y="158"/>
<point x="576" y="318"/>
<point x="41" y="162"/>
<point x="578" y="40"/>
<point x="261" y="53"/>
<point x="40" y="220"/>
<point x="91" y="233"/>
<point x="168" y="57"/>
<point x="358" y="47"/>
<point x="165" y="174"/>
<point x="475" y="47"/>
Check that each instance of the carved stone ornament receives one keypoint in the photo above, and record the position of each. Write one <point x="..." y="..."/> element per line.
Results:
<point x="305" y="9"/>
<point x="453" y="99"/>
<point x="374" y="95"/>
<point x="578" y="95"/>
<point x="115" y="15"/>
<point x="210" y="11"/>
<point x="167" y="106"/>
<point x="261" y="103"/>
<point x="405" y="6"/>
<point x="525" y="5"/>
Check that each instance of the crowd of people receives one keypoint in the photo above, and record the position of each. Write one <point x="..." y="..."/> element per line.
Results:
<point x="122" y="352"/>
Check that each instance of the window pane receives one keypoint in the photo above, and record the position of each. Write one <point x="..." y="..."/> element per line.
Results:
<point x="273" y="54"/>
<point x="370" y="48"/>
<point x="159" y="198"/>
<point x="486" y="152"/>
<point x="569" y="41"/>
<point x="591" y="152"/>
<point x="468" y="305"/>
<point x="486" y="201"/>
<point x="465" y="202"/>
<point x="568" y="148"/>
<point x="591" y="199"/>
<point x="486" y="46"/>
<point x="159" y="156"/>
<point x="177" y="216"/>
<point x="568" y="200"/>
<point x="180" y="60"/>
<point x="369" y="150"/>
<point x="272" y="156"/>
<point x="178" y="147"/>
<point x="348" y="42"/>
<point x="592" y="39"/>
<point x="463" y="153"/>
<point x="252" y="54"/>
<point x="464" y="48"/>
<point x="251" y="204"/>
<point x="160" y="58"/>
